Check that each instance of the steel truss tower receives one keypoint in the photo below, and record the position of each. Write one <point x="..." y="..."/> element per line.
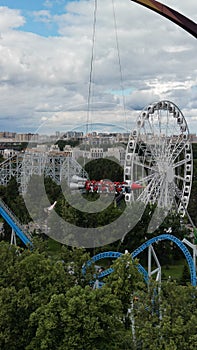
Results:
<point x="56" y="166"/>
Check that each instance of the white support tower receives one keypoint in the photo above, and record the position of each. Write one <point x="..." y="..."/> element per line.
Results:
<point x="13" y="238"/>
<point x="157" y="270"/>
<point x="56" y="166"/>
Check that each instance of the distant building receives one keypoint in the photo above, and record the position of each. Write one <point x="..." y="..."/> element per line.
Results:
<point x="73" y="135"/>
<point x="118" y="153"/>
<point x="8" y="134"/>
<point x="39" y="148"/>
<point x="68" y="151"/>
<point x="27" y="137"/>
<point x="8" y="153"/>
<point x="122" y="137"/>
<point x="100" y="139"/>
<point x="96" y="153"/>
<point x="54" y="148"/>
<point x="77" y="153"/>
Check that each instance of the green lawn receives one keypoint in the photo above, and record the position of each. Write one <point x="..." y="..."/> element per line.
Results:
<point x="171" y="271"/>
<point x="174" y="271"/>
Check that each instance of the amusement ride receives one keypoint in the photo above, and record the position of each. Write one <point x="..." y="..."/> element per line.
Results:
<point x="158" y="170"/>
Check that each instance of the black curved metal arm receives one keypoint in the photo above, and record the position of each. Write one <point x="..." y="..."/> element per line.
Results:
<point x="174" y="16"/>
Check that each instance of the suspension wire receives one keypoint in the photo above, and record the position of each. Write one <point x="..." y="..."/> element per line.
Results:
<point x="91" y="67"/>
<point x="120" y="66"/>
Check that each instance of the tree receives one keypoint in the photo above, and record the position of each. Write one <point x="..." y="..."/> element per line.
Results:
<point x="125" y="283"/>
<point x="29" y="279"/>
<point x="81" y="319"/>
<point x="172" y="324"/>
<point x="47" y="303"/>
<point x="104" y="169"/>
<point x="185" y="278"/>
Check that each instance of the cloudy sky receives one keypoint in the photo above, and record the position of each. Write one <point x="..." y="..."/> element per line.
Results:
<point x="139" y="57"/>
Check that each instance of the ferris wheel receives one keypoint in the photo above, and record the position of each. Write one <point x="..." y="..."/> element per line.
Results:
<point x="159" y="158"/>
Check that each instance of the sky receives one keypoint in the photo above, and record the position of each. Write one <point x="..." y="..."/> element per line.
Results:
<point x="47" y="60"/>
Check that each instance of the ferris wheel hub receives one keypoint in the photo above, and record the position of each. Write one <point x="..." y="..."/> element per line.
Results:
<point x="166" y="171"/>
<point x="170" y="174"/>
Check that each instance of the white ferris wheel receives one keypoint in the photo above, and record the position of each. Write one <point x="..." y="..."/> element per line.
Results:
<point x="159" y="158"/>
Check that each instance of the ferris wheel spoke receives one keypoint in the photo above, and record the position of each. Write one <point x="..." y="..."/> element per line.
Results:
<point x="178" y="177"/>
<point x="145" y="179"/>
<point x="165" y="199"/>
<point x="144" y="193"/>
<point x="153" y="150"/>
<point x="150" y="126"/>
<point x="155" y="190"/>
<point x="143" y="165"/>
<point x="147" y="193"/>
<point x="170" y="189"/>
<point x="174" y="144"/>
<point x="170" y="146"/>
<point x="177" y="151"/>
<point x="146" y="150"/>
<point x="164" y="204"/>
<point x="167" y="125"/>
<point x="180" y="163"/>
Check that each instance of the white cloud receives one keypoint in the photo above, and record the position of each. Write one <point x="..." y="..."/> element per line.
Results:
<point x="48" y="3"/>
<point x="42" y="77"/>
<point x="42" y="16"/>
<point x="10" y="18"/>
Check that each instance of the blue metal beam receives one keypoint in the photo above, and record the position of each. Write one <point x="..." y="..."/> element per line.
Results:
<point x="136" y="252"/>
<point x="14" y="226"/>
<point x="180" y="244"/>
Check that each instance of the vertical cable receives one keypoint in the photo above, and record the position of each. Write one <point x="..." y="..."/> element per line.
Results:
<point x="119" y="63"/>
<point x="91" y="66"/>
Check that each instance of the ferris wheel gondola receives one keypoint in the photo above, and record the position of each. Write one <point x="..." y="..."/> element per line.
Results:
<point x="159" y="158"/>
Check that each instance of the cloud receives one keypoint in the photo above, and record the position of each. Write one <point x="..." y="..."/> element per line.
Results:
<point x="45" y="76"/>
<point x="10" y="19"/>
<point x="51" y="3"/>
<point x="48" y="3"/>
<point x="42" y="16"/>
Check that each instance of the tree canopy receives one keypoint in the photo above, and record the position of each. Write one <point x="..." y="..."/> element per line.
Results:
<point x="48" y="303"/>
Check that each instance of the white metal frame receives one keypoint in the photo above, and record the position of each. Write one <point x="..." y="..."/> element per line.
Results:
<point x="159" y="157"/>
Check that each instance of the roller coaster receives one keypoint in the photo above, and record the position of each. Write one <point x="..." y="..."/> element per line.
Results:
<point x="148" y="244"/>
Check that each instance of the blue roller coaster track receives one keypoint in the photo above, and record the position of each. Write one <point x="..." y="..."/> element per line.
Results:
<point x="136" y="252"/>
<point x="14" y="223"/>
<point x="26" y="238"/>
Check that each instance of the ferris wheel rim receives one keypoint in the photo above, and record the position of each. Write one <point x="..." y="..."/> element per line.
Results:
<point x="170" y="156"/>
